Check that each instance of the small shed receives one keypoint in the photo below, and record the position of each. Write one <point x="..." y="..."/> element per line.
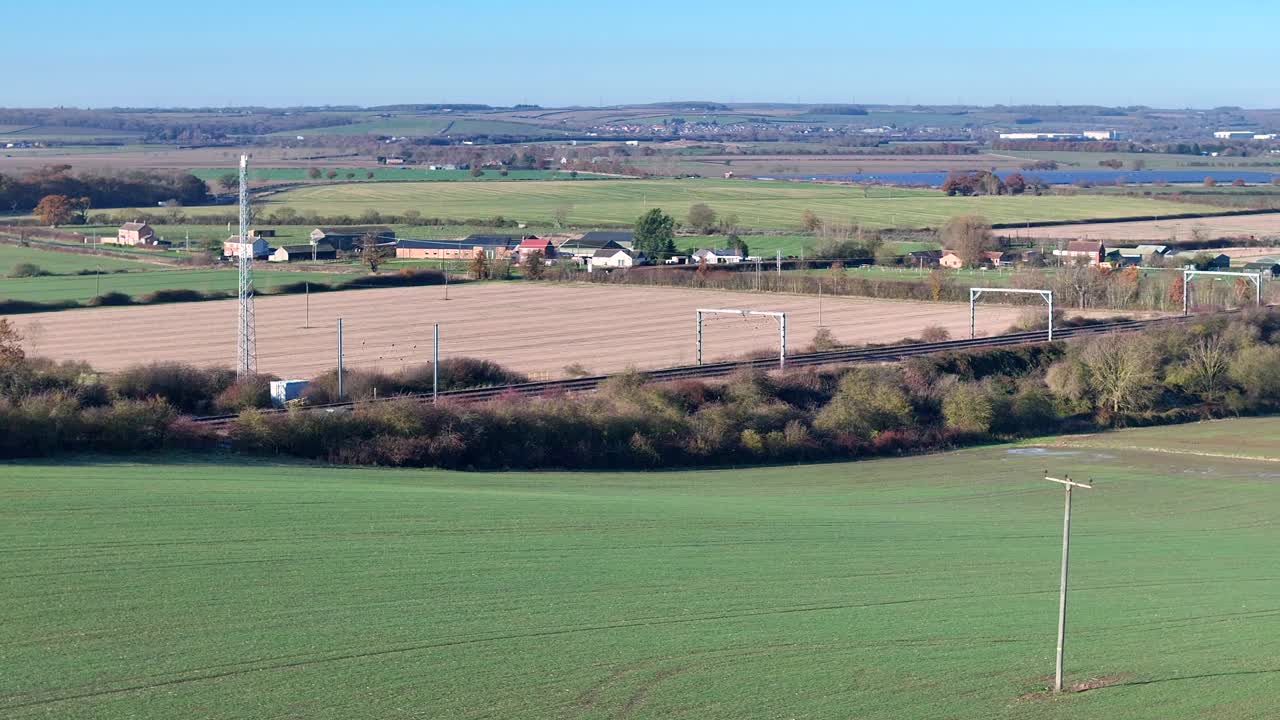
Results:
<point x="1264" y="265"/>
<point x="303" y="253"/>
<point x="282" y="391"/>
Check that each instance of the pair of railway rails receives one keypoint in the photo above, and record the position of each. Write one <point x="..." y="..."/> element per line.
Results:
<point x="886" y="353"/>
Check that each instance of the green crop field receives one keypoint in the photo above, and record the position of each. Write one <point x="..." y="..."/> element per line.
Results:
<point x="84" y="287"/>
<point x="51" y="132"/>
<point x="399" y="173"/>
<point x="63" y="263"/>
<point x="757" y="204"/>
<point x="432" y="125"/>
<point x="907" y="588"/>
<point x="1153" y="161"/>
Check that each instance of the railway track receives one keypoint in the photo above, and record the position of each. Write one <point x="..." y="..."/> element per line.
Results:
<point x="712" y="370"/>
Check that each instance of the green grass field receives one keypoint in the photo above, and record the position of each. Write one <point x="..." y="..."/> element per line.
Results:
<point x="70" y="134"/>
<point x="906" y="588"/>
<point x="62" y="263"/>
<point x="399" y="173"/>
<point x="1153" y="161"/>
<point x="758" y="204"/>
<point x="430" y="125"/>
<point x="84" y="287"/>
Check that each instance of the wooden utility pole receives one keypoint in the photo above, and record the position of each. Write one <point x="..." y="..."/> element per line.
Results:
<point x="1068" y="483"/>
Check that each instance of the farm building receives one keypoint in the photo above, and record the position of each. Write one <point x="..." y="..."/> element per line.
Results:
<point x="584" y="249"/>
<point x="923" y="258"/>
<point x="304" y="252"/>
<point x="232" y="247"/>
<point x="1082" y="251"/>
<point x="1041" y="136"/>
<point x="610" y="258"/>
<point x="990" y="258"/>
<point x="133" y="234"/>
<point x="1120" y="257"/>
<point x="717" y="256"/>
<point x="1140" y="255"/>
<point x="588" y="243"/>
<point x="1204" y="260"/>
<point x="431" y="250"/>
<point x="998" y="258"/>
<point x="492" y="246"/>
<point x="530" y="244"/>
<point x="1264" y="265"/>
<point x="348" y="238"/>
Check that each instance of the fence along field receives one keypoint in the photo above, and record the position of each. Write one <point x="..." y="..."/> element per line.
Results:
<point x="908" y="588"/>
<point x="535" y="328"/>
<point x="757" y="204"/>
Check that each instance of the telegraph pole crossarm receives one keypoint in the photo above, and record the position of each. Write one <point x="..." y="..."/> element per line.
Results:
<point x="1068" y="484"/>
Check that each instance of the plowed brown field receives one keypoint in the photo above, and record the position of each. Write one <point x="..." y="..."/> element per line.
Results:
<point x="535" y="328"/>
<point x="1160" y="231"/>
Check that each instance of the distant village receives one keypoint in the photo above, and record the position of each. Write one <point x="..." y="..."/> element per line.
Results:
<point x="598" y="249"/>
<point x="615" y="249"/>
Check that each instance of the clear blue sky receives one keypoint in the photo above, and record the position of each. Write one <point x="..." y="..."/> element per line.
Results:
<point x="555" y="52"/>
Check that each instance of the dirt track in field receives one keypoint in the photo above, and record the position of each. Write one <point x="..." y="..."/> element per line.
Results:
<point x="1162" y="231"/>
<point x="535" y="328"/>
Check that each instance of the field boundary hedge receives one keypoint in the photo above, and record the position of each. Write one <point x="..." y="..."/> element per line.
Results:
<point x="404" y="278"/>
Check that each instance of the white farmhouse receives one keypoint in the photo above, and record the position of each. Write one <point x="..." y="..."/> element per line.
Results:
<point x="610" y="258"/>
<point x="717" y="256"/>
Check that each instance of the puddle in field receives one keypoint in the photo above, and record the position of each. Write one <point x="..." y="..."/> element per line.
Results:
<point x="1042" y="452"/>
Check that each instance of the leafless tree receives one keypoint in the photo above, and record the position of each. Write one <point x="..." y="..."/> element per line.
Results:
<point x="1206" y="366"/>
<point x="372" y="253"/>
<point x="1121" y="372"/>
<point x="968" y="236"/>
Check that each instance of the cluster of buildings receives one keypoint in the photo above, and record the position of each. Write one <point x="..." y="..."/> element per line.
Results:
<point x="599" y="249"/>
<point x="135" y="234"/>
<point x="1095" y="253"/>
<point x="1087" y="135"/>
<point x="1242" y="135"/>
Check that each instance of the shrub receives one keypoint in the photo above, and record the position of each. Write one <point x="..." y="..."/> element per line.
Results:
<point x="187" y="388"/>
<point x="868" y="401"/>
<point x="935" y="334"/>
<point x="173" y="296"/>
<point x="298" y="288"/>
<point x="1032" y="412"/>
<point x="576" y="370"/>
<point x="254" y="392"/>
<point x="18" y="307"/>
<point x="824" y="340"/>
<point x="466" y="372"/>
<point x="128" y="425"/>
<point x="26" y="270"/>
<point x="405" y="278"/>
<point x="967" y="409"/>
<point x="1256" y="369"/>
<point x="111" y="298"/>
